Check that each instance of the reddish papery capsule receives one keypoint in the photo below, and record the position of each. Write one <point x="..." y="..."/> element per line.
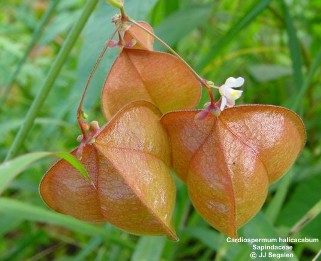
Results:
<point x="128" y="163"/>
<point x="228" y="161"/>
<point x="139" y="37"/>
<point x="157" y="77"/>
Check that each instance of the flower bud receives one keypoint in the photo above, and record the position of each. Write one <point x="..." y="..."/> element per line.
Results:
<point x="116" y="3"/>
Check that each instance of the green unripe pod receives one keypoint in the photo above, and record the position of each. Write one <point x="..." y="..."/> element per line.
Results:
<point x="116" y="3"/>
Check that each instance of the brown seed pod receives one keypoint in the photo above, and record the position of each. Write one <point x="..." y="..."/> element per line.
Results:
<point x="128" y="162"/>
<point x="139" y="37"/>
<point x="228" y="161"/>
<point x="157" y="77"/>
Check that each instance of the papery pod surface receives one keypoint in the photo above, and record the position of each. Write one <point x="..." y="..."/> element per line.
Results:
<point x="228" y="161"/>
<point x="156" y="77"/>
<point x="139" y="37"/>
<point x="129" y="166"/>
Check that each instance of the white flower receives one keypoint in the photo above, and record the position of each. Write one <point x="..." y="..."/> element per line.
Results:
<point x="229" y="95"/>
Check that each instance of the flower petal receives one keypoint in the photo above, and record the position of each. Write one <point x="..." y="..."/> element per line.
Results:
<point x="223" y="103"/>
<point x="224" y="90"/>
<point x="234" y="82"/>
<point x="230" y="103"/>
<point x="233" y="94"/>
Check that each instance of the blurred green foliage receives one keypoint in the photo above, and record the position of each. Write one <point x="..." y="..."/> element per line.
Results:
<point x="274" y="45"/>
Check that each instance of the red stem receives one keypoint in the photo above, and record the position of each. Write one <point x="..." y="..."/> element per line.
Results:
<point x="81" y="123"/>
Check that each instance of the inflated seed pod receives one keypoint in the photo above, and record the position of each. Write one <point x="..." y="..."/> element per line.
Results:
<point x="156" y="77"/>
<point x="131" y="186"/>
<point x="228" y="161"/>
<point x="138" y="38"/>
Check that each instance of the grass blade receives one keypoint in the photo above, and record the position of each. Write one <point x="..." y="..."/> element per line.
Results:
<point x="29" y="212"/>
<point x="275" y="206"/>
<point x="149" y="249"/>
<point x="94" y="243"/>
<point x="304" y="200"/>
<point x="315" y="64"/>
<point x="250" y="15"/>
<point x="10" y="169"/>
<point x="74" y="162"/>
<point x="52" y="76"/>
<point x="278" y="200"/>
<point x="294" y="46"/>
<point x="309" y="216"/>
<point x="276" y="203"/>
<point x="174" y="28"/>
<point x="206" y="235"/>
<point x="34" y="39"/>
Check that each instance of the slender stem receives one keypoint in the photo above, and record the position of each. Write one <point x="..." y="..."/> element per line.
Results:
<point x="202" y="81"/>
<point x="122" y="12"/>
<point x="52" y="76"/>
<point x="34" y="39"/>
<point x="317" y="256"/>
<point x="93" y="70"/>
<point x="168" y="48"/>
<point x="310" y="215"/>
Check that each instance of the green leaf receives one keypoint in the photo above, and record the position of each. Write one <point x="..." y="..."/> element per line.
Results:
<point x="51" y="77"/>
<point x="173" y="28"/>
<point x="116" y="3"/>
<point x="35" y="213"/>
<point x="7" y="224"/>
<point x="308" y="217"/>
<point x="269" y="72"/>
<point x="260" y="228"/>
<point x="302" y="199"/>
<point x="313" y="69"/>
<point x="22" y="244"/>
<point x="275" y="206"/>
<point x="61" y="24"/>
<point x="294" y="46"/>
<point x="249" y="17"/>
<point x="26" y="211"/>
<point x="94" y="243"/>
<point x="74" y="162"/>
<point x="208" y="236"/>
<point x="35" y="36"/>
<point x="149" y="249"/>
<point x="16" y="123"/>
<point x="10" y="169"/>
